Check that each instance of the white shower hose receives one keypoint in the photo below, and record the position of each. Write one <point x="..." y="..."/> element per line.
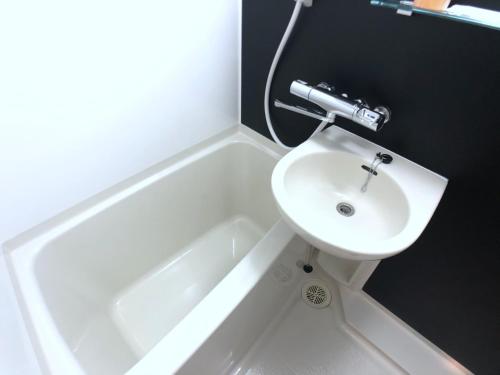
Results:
<point x="277" y="56"/>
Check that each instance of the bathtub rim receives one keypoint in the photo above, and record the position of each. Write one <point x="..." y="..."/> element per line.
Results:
<point x="20" y="252"/>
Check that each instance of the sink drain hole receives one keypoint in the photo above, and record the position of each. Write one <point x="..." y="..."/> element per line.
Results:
<point x="345" y="209"/>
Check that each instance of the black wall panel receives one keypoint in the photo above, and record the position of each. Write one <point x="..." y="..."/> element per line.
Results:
<point x="442" y="81"/>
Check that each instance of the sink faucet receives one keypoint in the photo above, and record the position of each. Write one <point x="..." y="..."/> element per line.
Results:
<point x="323" y="95"/>
<point x="372" y="169"/>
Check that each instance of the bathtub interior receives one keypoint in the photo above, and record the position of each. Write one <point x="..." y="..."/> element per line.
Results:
<point x="120" y="281"/>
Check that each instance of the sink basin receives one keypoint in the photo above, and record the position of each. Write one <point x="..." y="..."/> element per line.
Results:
<point x="317" y="187"/>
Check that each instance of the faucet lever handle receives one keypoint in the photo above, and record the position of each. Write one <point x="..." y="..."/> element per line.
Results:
<point x="383" y="111"/>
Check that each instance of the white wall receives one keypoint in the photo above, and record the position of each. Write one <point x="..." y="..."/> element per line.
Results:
<point x="94" y="91"/>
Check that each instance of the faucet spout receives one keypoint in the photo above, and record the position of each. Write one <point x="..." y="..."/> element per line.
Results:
<point x="372" y="169"/>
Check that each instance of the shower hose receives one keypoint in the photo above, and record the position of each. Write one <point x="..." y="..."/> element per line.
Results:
<point x="277" y="56"/>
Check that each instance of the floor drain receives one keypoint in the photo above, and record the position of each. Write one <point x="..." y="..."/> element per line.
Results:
<point x="345" y="209"/>
<point x="316" y="294"/>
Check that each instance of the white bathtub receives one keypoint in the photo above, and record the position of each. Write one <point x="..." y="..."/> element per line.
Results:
<point x="137" y="278"/>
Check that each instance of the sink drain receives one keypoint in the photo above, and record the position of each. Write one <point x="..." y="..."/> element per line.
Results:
<point x="345" y="209"/>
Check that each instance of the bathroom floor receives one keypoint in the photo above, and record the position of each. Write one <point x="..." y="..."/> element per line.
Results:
<point x="305" y="340"/>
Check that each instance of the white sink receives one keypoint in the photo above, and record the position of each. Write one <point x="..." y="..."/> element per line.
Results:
<point x="312" y="180"/>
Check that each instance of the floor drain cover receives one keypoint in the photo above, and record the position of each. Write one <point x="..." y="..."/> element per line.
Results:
<point x="316" y="294"/>
<point x="345" y="209"/>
